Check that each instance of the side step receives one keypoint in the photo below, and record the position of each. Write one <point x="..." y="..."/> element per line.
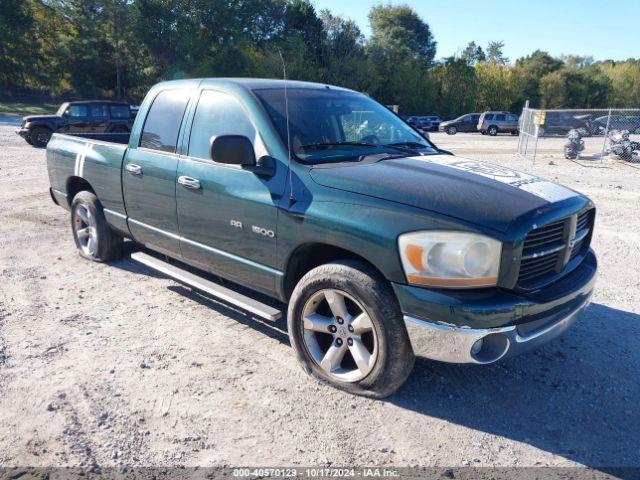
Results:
<point x="183" y="276"/>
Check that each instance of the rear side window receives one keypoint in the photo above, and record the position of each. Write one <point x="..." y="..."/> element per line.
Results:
<point x="77" y="110"/>
<point x="217" y="114"/>
<point x="119" y="111"/>
<point x="99" y="110"/>
<point x="162" y="125"/>
<point x="488" y="116"/>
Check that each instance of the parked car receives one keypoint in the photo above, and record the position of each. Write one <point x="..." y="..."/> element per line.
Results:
<point x="561" y="123"/>
<point x="379" y="245"/>
<point x="425" y="123"/>
<point x="630" y="123"/>
<point x="465" y="123"/>
<point x="492" y="123"/>
<point x="77" y="117"/>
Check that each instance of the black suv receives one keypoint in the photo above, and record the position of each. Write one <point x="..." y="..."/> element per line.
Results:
<point x="561" y="123"/>
<point x="465" y="123"/>
<point x="77" y="117"/>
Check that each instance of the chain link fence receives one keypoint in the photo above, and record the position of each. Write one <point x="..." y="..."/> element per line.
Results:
<point x="586" y="135"/>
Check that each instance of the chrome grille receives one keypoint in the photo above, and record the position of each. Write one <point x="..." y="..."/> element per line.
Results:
<point x="548" y="249"/>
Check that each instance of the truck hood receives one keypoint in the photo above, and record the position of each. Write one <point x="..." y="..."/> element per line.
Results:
<point x="477" y="192"/>
<point x="40" y="118"/>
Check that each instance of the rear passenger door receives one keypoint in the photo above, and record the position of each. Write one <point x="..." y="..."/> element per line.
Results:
<point x="149" y="174"/>
<point x="227" y="223"/>
<point x="99" y="117"/>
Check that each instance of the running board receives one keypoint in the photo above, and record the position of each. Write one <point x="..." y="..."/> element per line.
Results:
<point x="183" y="276"/>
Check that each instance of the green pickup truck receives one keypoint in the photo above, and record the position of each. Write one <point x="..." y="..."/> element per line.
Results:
<point x="317" y="197"/>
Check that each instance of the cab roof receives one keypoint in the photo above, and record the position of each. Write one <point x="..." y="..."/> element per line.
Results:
<point x="253" y="83"/>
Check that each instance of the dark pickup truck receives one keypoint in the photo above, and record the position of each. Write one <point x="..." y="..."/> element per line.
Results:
<point x="77" y="117"/>
<point x="319" y="198"/>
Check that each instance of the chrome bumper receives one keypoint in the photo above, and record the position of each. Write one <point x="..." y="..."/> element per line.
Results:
<point x="454" y="344"/>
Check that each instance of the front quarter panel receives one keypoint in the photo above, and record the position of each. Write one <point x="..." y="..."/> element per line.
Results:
<point x="365" y="226"/>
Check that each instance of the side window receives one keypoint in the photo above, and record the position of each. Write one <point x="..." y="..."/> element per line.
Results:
<point x="217" y="114"/>
<point x="120" y="111"/>
<point x="489" y="116"/>
<point x="512" y="118"/>
<point x="500" y="117"/>
<point x="162" y="125"/>
<point x="99" y="110"/>
<point x="475" y="118"/>
<point x="77" y="110"/>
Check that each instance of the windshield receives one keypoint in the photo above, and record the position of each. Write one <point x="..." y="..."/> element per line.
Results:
<point x="335" y="125"/>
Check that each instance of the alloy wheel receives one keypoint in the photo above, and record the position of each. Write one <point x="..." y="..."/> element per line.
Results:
<point x="84" y="227"/>
<point x="339" y="335"/>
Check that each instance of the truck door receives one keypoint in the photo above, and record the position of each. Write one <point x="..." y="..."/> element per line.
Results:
<point x="99" y="117"/>
<point x="149" y="174"/>
<point x="228" y="219"/>
<point x="77" y="118"/>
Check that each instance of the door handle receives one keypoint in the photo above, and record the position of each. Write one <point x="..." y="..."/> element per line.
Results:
<point x="134" y="169"/>
<point x="188" y="182"/>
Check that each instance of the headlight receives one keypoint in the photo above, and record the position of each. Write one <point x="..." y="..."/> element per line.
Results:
<point x="450" y="259"/>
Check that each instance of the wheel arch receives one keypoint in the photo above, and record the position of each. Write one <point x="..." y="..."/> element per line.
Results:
<point x="77" y="184"/>
<point x="311" y="255"/>
<point x="41" y="125"/>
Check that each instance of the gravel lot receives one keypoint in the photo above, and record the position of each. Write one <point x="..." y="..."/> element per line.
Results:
<point x="114" y="365"/>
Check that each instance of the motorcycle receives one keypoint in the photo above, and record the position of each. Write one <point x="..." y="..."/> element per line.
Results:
<point x="575" y="144"/>
<point x="621" y="145"/>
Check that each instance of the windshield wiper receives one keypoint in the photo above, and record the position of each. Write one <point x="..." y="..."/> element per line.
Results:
<point x="317" y="146"/>
<point x="406" y="145"/>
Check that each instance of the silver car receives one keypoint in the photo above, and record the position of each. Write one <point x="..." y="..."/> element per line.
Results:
<point x="493" y="123"/>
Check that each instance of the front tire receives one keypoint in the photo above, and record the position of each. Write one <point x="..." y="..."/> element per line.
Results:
<point x="347" y="329"/>
<point x="40" y="136"/>
<point x="95" y="240"/>
<point x="452" y="130"/>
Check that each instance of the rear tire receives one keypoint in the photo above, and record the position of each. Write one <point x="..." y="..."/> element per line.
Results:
<point x="40" y="136"/>
<point x="371" y="356"/>
<point x="492" y="130"/>
<point x="94" y="238"/>
<point x="452" y="130"/>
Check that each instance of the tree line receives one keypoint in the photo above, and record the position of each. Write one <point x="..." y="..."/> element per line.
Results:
<point x="66" y="49"/>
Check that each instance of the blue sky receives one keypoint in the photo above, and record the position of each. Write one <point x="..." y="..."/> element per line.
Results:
<point x="582" y="27"/>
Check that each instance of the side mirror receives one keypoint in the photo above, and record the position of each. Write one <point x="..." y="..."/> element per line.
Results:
<point x="233" y="150"/>
<point x="238" y="150"/>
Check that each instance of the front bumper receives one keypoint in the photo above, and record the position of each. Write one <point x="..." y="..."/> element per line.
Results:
<point x="23" y="132"/>
<point x="486" y="329"/>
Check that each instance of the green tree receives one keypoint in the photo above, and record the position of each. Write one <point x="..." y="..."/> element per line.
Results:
<point x="473" y="54"/>
<point x="399" y="32"/>
<point x="495" y="53"/>
<point x="533" y="67"/>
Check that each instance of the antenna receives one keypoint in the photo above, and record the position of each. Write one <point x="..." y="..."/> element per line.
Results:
<point x="286" y="112"/>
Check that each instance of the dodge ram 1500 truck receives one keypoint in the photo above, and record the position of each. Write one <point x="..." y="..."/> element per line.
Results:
<point x="382" y="245"/>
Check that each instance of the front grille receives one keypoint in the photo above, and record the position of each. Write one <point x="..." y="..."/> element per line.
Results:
<point x="547" y="250"/>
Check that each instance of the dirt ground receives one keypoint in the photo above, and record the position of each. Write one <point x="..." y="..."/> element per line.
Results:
<point x="113" y="365"/>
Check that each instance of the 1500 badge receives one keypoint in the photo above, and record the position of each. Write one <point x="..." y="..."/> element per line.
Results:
<point x="263" y="231"/>
<point x="254" y="228"/>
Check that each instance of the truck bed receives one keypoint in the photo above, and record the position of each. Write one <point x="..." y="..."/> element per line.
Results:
<point x="121" y="138"/>
<point x="89" y="158"/>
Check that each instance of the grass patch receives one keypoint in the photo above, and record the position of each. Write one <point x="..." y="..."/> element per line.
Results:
<point x="20" y="109"/>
